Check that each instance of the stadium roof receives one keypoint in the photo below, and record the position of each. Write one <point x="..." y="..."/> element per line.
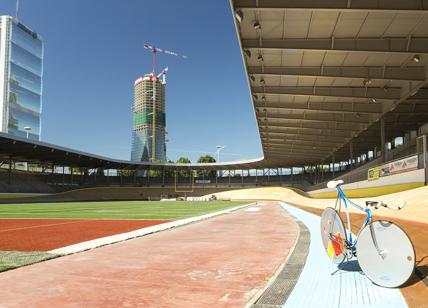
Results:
<point x="323" y="73"/>
<point x="26" y="150"/>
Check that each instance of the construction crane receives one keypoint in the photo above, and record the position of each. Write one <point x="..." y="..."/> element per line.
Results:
<point x="154" y="51"/>
<point x="163" y="74"/>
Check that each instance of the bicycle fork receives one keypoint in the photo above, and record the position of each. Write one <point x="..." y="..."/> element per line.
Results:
<point x="381" y="253"/>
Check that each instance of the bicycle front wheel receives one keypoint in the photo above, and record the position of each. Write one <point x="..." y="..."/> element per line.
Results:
<point x="385" y="254"/>
<point x="333" y="235"/>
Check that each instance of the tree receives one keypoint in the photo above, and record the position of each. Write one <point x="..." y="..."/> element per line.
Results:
<point x="206" y="159"/>
<point x="169" y="173"/>
<point x="184" y="160"/>
<point x="125" y="172"/>
<point x="155" y="173"/>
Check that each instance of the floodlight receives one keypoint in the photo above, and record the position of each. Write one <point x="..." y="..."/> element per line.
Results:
<point x="367" y="82"/>
<point x="239" y="15"/>
<point x="416" y="58"/>
<point x="414" y="92"/>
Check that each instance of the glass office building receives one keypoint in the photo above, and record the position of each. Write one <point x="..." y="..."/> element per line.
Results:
<point x="21" y="71"/>
<point x="147" y="119"/>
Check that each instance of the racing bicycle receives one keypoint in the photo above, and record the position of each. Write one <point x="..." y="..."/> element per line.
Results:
<point x="384" y="252"/>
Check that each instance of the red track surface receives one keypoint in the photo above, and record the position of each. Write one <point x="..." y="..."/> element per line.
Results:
<point x="220" y="262"/>
<point x="48" y="234"/>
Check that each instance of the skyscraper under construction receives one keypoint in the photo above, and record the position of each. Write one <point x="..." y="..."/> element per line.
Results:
<point x="148" y="135"/>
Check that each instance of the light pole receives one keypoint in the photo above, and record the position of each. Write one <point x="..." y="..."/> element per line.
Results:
<point x="27" y="129"/>
<point x="219" y="148"/>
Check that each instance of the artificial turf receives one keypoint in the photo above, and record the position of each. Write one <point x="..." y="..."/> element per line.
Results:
<point x="114" y="209"/>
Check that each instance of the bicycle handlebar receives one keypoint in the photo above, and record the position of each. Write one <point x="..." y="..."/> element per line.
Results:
<point x="376" y="204"/>
<point x="369" y="204"/>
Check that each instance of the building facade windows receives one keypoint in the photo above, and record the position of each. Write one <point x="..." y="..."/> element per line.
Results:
<point x="21" y="74"/>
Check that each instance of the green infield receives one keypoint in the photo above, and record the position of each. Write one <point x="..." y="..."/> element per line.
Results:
<point x="114" y="209"/>
<point x="14" y="259"/>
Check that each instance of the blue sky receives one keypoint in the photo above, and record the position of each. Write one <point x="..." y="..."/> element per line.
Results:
<point x="94" y="51"/>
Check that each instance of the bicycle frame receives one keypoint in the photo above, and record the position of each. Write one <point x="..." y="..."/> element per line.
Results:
<point x="342" y="197"/>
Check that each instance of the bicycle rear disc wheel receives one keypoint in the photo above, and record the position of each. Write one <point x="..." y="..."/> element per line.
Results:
<point x="394" y="263"/>
<point x="333" y="235"/>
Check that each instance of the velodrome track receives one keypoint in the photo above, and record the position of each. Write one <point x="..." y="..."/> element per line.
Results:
<point x="413" y="219"/>
<point x="225" y="261"/>
<point x="416" y="208"/>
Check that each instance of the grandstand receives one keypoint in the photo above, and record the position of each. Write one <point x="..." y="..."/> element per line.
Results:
<point x="336" y="89"/>
<point x="60" y="169"/>
<point x="339" y="90"/>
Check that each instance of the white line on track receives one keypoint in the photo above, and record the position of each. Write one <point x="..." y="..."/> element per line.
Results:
<point x="40" y="226"/>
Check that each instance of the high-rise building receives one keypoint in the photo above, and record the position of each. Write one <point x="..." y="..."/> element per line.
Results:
<point x="21" y="71"/>
<point x="149" y="91"/>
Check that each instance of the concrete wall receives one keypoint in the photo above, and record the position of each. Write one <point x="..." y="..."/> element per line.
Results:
<point x="383" y="185"/>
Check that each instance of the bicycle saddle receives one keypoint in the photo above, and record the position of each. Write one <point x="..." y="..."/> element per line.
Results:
<point x="334" y="184"/>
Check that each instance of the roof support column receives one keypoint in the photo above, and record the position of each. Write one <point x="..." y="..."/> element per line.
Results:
<point x="9" y="174"/>
<point x="163" y="176"/>
<point x="291" y="176"/>
<point x="351" y="153"/>
<point x="256" y="177"/>
<point x="382" y="139"/>
<point x="303" y="173"/>
<point x="322" y="172"/>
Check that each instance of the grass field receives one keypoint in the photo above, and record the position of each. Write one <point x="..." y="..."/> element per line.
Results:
<point x="114" y="209"/>
<point x="14" y="259"/>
